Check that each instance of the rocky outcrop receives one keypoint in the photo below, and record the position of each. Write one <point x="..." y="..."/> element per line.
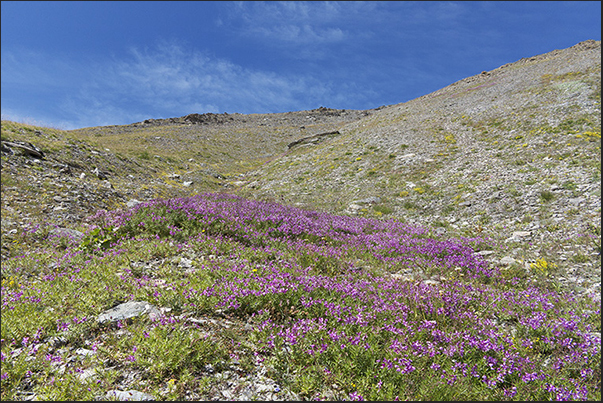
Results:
<point x="26" y="148"/>
<point x="206" y="118"/>
<point x="314" y="139"/>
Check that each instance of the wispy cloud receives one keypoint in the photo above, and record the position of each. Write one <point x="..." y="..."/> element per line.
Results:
<point x="263" y="57"/>
<point x="296" y="23"/>
<point x="303" y="30"/>
<point x="173" y="78"/>
<point x="167" y="80"/>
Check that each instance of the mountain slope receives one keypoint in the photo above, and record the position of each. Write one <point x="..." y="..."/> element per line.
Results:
<point x="468" y="267"/>
<point x="513" y="150"/>
<point x="516" y="149"/>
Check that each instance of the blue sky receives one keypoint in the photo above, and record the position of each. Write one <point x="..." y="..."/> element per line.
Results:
<point x="79" y="64"/>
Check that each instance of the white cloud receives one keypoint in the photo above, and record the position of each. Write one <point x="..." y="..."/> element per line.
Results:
<point x="171" y="77"/>
<point x="296" y="23"/>
<point x="160" y="82"/>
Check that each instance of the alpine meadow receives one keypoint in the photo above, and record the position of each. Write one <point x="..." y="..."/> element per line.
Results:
<point x="445" y="248"/>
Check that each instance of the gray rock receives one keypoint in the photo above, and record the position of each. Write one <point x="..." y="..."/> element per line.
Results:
<point x="484" y="252"/>
<point x="431" y="282"/>
<point x="402" y="277"/>
<point x="519" y="236"/>
<point x="128" y="395"/>
<point x="57" y="342"/>
<point x="186" y="263"/>
<point x="507" y="261"/>
<point x="66" y="233"/>
<point x="88" y="373"/>
<point x="129" y="310"/>
<point x="368" y="200"/>
<point x="100" y="174"/>
<point x="85" y="352"/>
<point x="497" y="195"/>
<point x="132" y="202"/>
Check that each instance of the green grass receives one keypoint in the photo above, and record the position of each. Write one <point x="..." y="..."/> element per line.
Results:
<point x="292" y="302"/>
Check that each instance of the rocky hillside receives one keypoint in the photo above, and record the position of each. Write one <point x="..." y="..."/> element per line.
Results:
<point x="512" y="153"/>
<point x="74" y="173"/>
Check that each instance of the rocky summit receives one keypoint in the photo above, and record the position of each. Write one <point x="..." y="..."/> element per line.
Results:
<point x="511" y="155"/>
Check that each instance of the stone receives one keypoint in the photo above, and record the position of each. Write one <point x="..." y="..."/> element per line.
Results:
<point x="66" y="233"/>
<point x="128" y="310"/>
<point x="132" y="202"/>
<point x="402" y="277"/>
<point x="368" y="200"/>
<point x="128" y="395"/>
<point x="484" y="252"/>
<point x="88" y="373"/>
<point x="186" y="263"/>
<point x="507" y="261"/>
<point x="519" y="236"/>
<point x="431" y="282"/>
<point x="85" y="351"/>
<point x="101" y="175"/>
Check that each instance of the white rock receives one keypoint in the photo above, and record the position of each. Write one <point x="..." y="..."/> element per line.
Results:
<point x="507" y="261"/>
<point x="128" y="395"/>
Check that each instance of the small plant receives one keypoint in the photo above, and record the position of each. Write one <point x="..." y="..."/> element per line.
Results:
<point x="514" y="192"/>
<point x="543" y="267"/>
<point x="569" y="185"/>
<point x="546" y="196"/>
<point x="590" y="136"/>
<point x="448" y="209"/>
<point x="99" y="238"/>
<point x="383" y="209"/>
<point x="409" y="205"/>
<point x="579" y="258"/>
<point x="596" y="239"/>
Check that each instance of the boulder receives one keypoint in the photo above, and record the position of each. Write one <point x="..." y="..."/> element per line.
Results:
<point x="66" y="233"/>
<point x="129" y="310"/>
<point x="128" y="395"/>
